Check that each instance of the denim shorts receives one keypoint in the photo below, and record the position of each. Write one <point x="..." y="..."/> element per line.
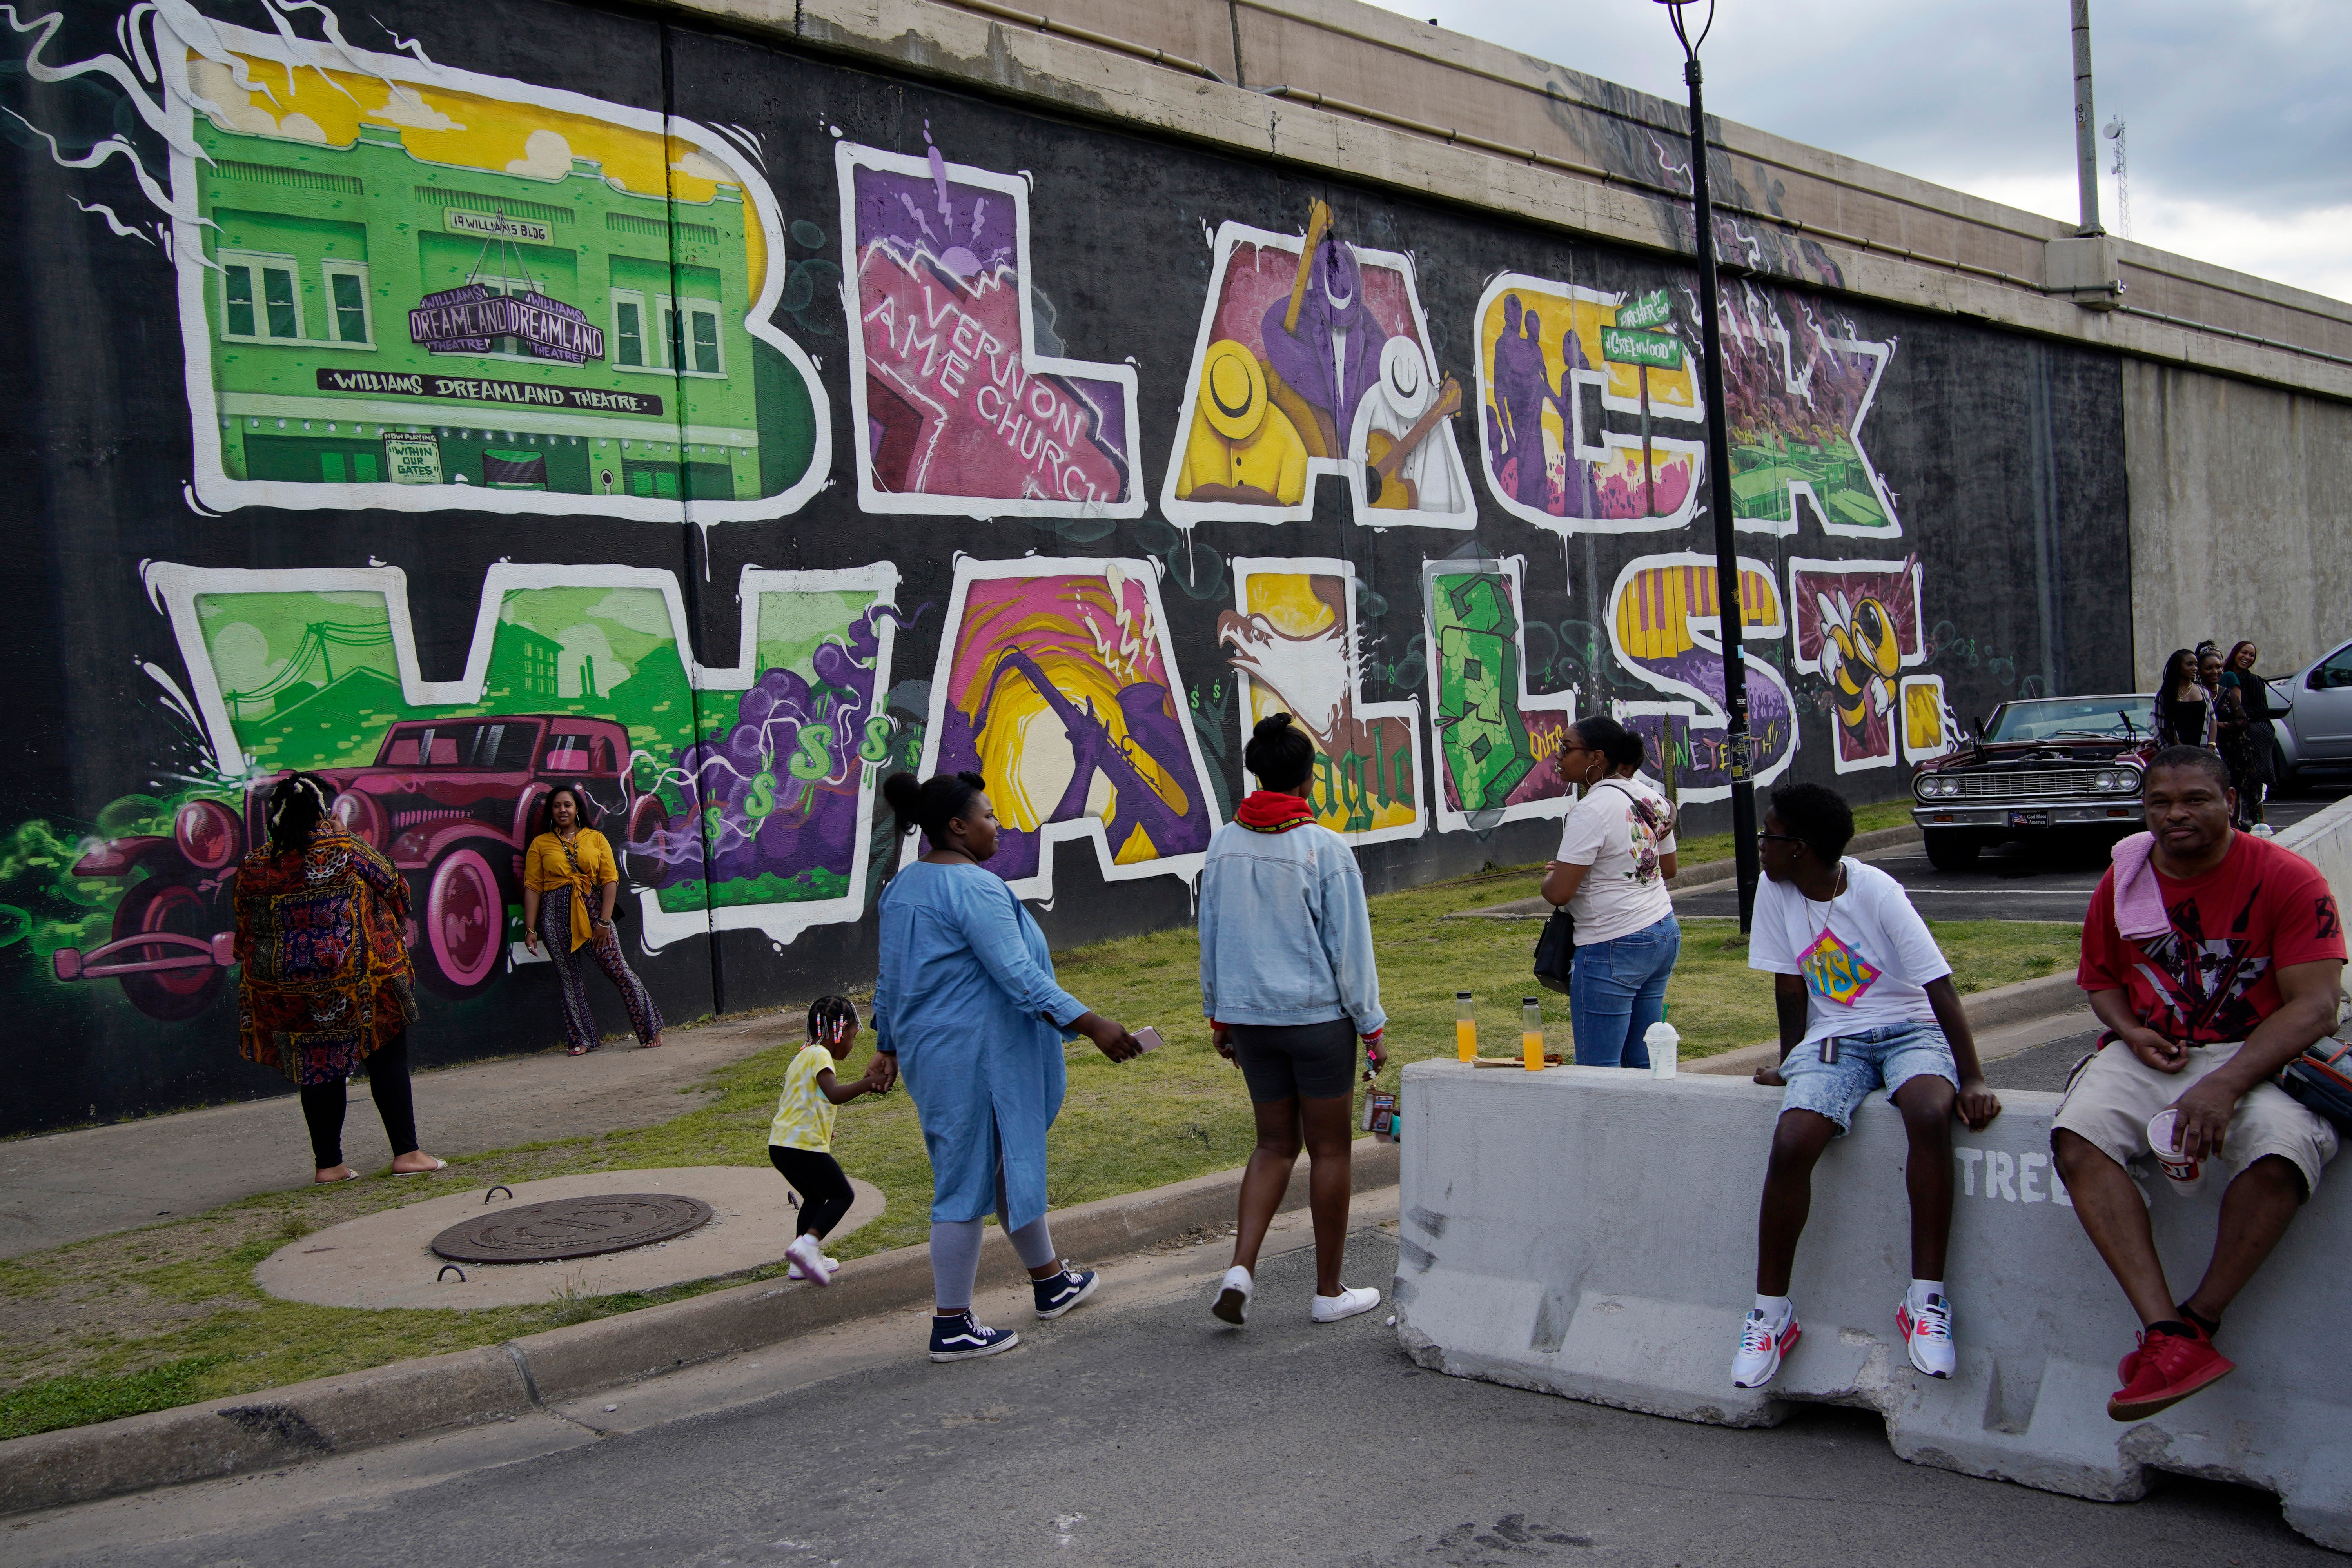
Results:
<point x="1886" y="1058"/>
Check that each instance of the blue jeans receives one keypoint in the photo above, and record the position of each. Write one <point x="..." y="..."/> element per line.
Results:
<point x="1617" y="990"/>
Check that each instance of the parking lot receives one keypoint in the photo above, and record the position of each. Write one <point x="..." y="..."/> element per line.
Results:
<point x="2046" y="881"/>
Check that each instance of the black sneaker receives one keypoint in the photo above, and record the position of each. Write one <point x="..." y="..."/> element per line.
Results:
<point x="961" y="1337"/>
<point x="1057" y="1293"/>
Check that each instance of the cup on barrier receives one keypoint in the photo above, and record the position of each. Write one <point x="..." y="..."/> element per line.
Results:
<point x="2184" y="1175"/>
<point x="1663" y="1040"/>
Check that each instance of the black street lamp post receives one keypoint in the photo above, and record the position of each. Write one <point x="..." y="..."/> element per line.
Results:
<point x="1739" y="751"/>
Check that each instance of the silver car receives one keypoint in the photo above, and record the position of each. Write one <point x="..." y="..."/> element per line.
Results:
<point x="2315" y="733"/>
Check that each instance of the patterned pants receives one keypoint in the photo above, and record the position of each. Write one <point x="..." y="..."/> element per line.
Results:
<point x="579" y="1022"/>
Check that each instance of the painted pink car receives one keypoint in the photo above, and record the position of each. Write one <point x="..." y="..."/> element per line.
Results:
<point x="449" y="801"/>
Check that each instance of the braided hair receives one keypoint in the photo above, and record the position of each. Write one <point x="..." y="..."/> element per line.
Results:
<point x="831" y="1018"/>
<point x="297" y="803"/>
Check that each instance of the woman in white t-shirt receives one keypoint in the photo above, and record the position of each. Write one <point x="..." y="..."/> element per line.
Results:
<point x="1616" y="851"/>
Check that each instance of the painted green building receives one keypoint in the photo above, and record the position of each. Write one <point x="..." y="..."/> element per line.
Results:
<point x="378" y="318"/>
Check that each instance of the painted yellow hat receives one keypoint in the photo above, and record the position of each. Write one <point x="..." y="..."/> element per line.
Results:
<point x="1232" y="390"/>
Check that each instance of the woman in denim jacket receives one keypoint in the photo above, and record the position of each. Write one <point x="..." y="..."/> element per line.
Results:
<point x="1288" y="985"/>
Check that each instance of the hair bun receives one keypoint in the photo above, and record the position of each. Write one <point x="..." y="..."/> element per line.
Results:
<point x="902" y="791"/>
<point x="1273" y="724"/>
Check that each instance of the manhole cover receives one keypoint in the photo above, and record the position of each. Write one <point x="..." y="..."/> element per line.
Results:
<point x="571" y="1227"/>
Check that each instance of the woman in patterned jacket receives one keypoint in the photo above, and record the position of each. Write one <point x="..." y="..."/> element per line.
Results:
<point x="324" y="979"/>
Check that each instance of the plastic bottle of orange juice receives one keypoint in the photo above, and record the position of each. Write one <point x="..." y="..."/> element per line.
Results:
<point x="1466" y="1029"/>
<point x="1531" y="1031"/>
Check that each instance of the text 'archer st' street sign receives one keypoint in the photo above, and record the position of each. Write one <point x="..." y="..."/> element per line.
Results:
<point x="1650" y="311"/>
<point x="1655" y="349"/>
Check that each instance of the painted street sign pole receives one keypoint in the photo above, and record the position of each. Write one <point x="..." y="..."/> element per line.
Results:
<point x="1642" y="350"/>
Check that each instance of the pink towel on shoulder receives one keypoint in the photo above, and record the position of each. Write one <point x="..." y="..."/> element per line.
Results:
<point x="2139" y="902"/>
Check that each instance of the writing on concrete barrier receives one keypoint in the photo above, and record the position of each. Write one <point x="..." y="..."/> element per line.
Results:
<point x="2016" y="1178"/>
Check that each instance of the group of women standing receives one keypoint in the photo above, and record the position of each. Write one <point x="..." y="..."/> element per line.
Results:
<point x="2219" y="702"/>
<point x="325" y="982"/>
<point x="967" y="1008"/>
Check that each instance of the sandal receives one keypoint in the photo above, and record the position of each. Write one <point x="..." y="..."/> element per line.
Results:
<point x="334" y="1181"/>
<point x="436" y="1165"/>
<point x="579" y="1050"/>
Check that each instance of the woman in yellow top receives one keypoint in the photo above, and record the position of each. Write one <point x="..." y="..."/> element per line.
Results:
<point x="569" y="884"/>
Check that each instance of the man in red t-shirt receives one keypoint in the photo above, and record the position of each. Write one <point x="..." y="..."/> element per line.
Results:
<point x="2231" y="971"/>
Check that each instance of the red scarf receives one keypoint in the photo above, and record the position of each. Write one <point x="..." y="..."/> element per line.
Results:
<point x="1271" y="811"/>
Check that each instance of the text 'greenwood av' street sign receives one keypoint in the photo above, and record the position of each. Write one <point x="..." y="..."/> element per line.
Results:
<point x="1655" y="349"/>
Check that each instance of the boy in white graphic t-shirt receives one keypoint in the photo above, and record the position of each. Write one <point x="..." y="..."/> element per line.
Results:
<point x="1867" y="1001"/>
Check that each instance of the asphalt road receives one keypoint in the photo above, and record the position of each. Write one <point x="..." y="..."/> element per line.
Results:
<point x="2050" y="881"/>
<point x="1137" y="1432"/>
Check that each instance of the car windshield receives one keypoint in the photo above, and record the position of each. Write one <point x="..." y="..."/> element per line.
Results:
<point x="492" y="746"/>
<point x="2053" y="718"/>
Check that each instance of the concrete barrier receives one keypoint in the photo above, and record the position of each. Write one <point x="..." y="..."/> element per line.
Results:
<point x="1591" y="1231"/>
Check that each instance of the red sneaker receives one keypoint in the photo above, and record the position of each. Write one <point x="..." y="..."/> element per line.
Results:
<point x="2164" y="1370"/>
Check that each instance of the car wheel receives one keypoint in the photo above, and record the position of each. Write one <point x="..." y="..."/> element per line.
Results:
<point x="179" y="909"/>
<point x="638" y="855"/>
<point x="1950" y="849"/>
<point x="463" y="924"/>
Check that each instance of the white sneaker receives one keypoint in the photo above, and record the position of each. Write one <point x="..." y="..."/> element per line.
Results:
<point x="1928" y="1334"/>
<point x="831" y="1266"/>
<point x="809" y="1260"/>
<point x="1233" y="1296"/>
<point x="1761" y="1346"/>
<point x="1346" y="1304"/>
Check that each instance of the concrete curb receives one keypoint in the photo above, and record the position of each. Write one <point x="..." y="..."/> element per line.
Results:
<point x="1695" y="878"/>
<point x="2004" y="1006"/>
<point x="304" y="1421"/>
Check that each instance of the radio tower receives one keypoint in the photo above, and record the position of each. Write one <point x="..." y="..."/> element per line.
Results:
<point x="2114" y="133"/>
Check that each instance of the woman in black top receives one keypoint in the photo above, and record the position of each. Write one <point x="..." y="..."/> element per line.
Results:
<point x="2184" y="708"/>
<point x="2247" y="740"/>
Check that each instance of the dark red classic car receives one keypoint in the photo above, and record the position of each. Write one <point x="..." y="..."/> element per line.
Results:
<point x="449" y="801"/>
<point x="2039" y="766"/>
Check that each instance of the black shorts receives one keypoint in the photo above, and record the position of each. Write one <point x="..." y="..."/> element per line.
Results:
<point x="1296" y="1061"/>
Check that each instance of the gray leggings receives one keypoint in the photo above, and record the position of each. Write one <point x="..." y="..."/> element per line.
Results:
<point x="955" y="1251"/>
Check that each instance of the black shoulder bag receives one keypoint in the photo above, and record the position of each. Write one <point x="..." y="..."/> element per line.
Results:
<point x="1555" y="948"/>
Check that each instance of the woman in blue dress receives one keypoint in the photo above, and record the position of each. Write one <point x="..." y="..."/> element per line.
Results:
<point x="965" y="1005"/>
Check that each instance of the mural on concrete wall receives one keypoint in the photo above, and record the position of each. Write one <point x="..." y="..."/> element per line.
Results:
<point x="1297" y="646"/>
<point x="1858" y="626"/>
<point x="1593" y="419"/>
<point x="957" y="411"/>
<point x="408" y="287"/>
<point x="1313" y="358"/>
<point x="1664" y="621"/>
<point x="1056" y="683"/>
<point x="1497" y="744"/>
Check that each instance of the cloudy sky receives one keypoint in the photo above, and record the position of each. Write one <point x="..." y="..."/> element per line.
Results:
<point x="2238" y="114"/>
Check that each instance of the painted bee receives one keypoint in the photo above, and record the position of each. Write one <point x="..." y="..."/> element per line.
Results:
<point x="1860" y="658"/>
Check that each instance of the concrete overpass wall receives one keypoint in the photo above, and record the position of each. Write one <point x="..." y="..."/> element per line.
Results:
<point x="720" y="406"/>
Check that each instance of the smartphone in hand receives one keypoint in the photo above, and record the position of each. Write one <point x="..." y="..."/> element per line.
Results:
<point x="1148" y="1037"/>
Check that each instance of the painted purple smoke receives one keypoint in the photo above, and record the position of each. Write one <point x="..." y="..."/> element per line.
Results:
<point x="776" y="795"/>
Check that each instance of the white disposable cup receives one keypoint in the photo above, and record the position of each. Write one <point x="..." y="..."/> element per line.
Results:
<point x="1662" y="1041"/>
<point x="2182" y="1174"/>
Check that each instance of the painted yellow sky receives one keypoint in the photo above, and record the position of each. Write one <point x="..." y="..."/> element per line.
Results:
<point x="1668" y="389"/>
<point x="469" y="130"/>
